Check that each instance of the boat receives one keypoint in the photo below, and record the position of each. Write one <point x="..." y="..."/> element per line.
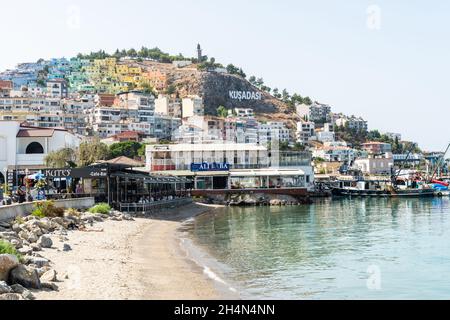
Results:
<point x="403" y="187"/>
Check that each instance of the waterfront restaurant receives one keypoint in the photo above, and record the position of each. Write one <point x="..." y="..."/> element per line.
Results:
<point x="113" y="183"/>
<point x="228" y="167"/>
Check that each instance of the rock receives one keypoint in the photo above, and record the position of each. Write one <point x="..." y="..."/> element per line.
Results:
<point x="25" y="276"/>
<point x="16" y="243"/>
<point x="39" y="262"/>
<point x="10" y="297"/>
<point x="45" y="242"/>
<point x="17" y="288"/>
<point x="16" y="227"/>
<point x="41" y="271"/>
<point x="49" y="276"/>
<point x="35" y="247"/>
<point x="25" y="250"/>
<point x="27" y="295"/>
<point x="7" y="263"/>
<point x="67" y="247"/>
<point x="4" y="288"/>
<point x="23" y="235"/>
<point x="49" y="285"/>
<point x="127" y="217"/>
<point x="275" y="202"/>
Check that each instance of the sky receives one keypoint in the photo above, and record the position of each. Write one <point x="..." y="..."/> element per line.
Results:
<point x="385" y="60"/>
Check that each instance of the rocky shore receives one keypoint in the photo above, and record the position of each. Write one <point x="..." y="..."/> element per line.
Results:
<point x="30" y="271"/>
<point x="93" y="256"/>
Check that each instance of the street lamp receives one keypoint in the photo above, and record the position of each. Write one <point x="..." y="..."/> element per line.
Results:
<point x="5" y="170"/>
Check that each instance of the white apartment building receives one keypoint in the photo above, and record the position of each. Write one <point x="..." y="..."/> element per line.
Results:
<point x="352" y="122"/>
<point x="335" y="153"/>
<point x="244" y="113"/>
<point x="23" y="147"/>
<point x="305" y="131"/>
<point x="326" y="134"/>
<point x="375" y="165"/>
<point x="314" y="113"/>
<point x="168" y="106"/>
<point x="273" y="131"/>
<point x="57" y="88"/>
<point x="192" y="106"/>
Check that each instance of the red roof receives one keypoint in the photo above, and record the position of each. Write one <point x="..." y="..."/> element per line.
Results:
<point x="107" y="100"/>
<point x="128" y="134"/>
<point x="33" y="133"/>
<point x="5" y="84"/>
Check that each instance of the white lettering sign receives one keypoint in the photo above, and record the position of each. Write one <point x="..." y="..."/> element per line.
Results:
<point x="245" y="95"/>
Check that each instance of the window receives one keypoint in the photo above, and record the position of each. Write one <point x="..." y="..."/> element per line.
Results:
<point x="35" y="148"/>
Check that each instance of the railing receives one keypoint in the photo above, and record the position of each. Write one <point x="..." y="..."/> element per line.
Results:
<point x="152" y="207"/>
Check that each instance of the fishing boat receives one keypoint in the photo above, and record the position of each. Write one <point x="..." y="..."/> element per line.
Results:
<point x="376" y="188"/>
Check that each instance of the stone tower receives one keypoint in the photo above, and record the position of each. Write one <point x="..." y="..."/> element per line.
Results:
<point x="199" y="53"/>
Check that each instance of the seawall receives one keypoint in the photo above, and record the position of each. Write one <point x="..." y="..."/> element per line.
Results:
<point x="13" y="211"/>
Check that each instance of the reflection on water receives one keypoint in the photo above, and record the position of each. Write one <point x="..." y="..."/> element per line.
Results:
<point x="341" y="249"/>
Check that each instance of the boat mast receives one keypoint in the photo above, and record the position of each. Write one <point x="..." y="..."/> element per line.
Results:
<point x="438" y="165"/>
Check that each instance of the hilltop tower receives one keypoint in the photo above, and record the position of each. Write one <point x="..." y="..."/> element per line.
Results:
<point x="199" y="53"/>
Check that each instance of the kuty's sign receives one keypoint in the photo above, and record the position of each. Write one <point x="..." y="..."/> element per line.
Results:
<point x="76" y="173"/>
<point x="205" y="166"/>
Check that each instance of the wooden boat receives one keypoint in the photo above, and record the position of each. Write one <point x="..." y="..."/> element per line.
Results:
<point x="379" y="189"/>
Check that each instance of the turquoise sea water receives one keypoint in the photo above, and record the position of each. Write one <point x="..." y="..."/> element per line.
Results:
<point x="340" y="249"/>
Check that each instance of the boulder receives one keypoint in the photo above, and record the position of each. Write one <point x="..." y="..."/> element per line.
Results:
<point x="25" y="250"/>
<point x="10" y="297"/>
<point x="49" y="285"/>
<point x="25" y="293"/>
<point x="49" y="276"/>
<point x="67" y="247"/>
<point x="45" y="242"/>
<point x="16" y="243"/>
<point x="7" y="263"/>
<point x="4" y="288"/>
<point x="17" y="288"/>
<point x="35" y="247"/>
<point x="38" y="261"/>
<point x="25" y="276"/>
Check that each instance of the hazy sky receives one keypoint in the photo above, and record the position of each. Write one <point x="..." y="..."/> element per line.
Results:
<point x="385" y="60"/>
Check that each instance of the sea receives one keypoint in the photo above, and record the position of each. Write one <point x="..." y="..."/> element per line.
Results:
<point x="340" y="249"/>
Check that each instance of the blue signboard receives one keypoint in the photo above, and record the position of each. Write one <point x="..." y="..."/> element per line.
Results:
<point x="205" y="166"/>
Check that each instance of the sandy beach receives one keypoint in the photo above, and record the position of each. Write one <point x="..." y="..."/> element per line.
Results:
<point x="130" y="260"/>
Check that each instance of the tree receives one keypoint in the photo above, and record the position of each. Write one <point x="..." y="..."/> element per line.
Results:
<point x="132" y="53"/>
<point x="307" y="101"/>
<point x="148" y="89"/>
<point x="128" y="149"/>
<point x="252" y="80"/>
<point x="259" y="82"/>
<point x="222" y="112"/>
<point x="285" y="95"/>
<point x="276" y="93"/>
<point x="91" y="152"/>
<point x="61" y="158"/>
<point x="171" y="89"/>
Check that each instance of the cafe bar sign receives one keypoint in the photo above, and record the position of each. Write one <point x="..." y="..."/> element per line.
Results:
<point x="205" y="167"/>
<point x="93" y="173"/>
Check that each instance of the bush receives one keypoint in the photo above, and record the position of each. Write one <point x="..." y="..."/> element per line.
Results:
<point x="48" y="209"/>
<point x="101" y="208"/>
<point x="73" y="213"/>
<point x="7" y="248"/>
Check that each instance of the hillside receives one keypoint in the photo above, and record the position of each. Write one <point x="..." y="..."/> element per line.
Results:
<point x="215" y="88"/>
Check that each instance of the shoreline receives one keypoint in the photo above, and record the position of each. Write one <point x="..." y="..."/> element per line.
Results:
<point x="132" y="260"/>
